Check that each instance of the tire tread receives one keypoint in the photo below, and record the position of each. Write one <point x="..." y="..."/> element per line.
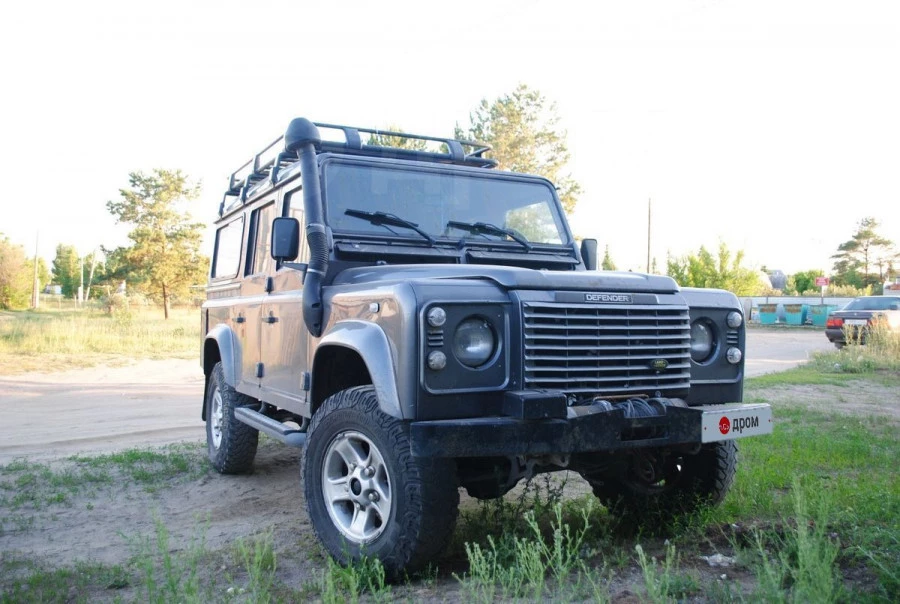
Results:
<point x="239" y="441"/>
<point x="431" y="488"/>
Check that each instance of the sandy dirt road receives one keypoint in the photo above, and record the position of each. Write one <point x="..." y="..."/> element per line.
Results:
<point x="48" y="415"/>
<point x="146" y="403"/>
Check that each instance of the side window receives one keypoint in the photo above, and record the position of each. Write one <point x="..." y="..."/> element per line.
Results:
<point x="227" y="257"/>
<point x="295" y="203"/>
<point x="263" y="263"/>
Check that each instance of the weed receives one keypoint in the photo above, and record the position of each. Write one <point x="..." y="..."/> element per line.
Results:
<point x="661" y="580"/>
<point x="349" y="583"/>
<point x="563" y="554"/>
<point x="258" y="559"/>
<point x="803" y="558"/>
<point x="887" y="566"/>
<point x="517" y="567"/>
<point x="167" y="577"/>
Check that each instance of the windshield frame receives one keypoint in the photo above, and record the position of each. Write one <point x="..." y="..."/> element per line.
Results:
<point x="458" y="240"/>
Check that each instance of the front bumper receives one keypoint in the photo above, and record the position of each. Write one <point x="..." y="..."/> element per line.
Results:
<point x="587" y="430"/>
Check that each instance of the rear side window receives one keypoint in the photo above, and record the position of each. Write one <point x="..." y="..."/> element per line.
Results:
<point x="877" y="303"/>
<point x="263" y="263"/>
<point x="227" y="256"/>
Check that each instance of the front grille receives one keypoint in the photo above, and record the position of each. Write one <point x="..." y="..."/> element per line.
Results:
<point x="607" y="350"/>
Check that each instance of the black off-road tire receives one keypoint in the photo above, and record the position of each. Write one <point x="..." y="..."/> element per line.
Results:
<point x="423" y="492"/>
<point x="703" y="479"/>
<point x="231" y="444"/>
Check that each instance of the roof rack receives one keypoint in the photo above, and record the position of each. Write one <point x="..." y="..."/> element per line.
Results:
<point x="270" y="161"/>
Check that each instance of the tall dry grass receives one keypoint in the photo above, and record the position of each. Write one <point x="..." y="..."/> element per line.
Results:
<point x="47" y="340"/>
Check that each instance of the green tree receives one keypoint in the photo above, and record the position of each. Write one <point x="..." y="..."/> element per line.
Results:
<point x="864" y="250"/>
<point x="164" y="256"/>
<point x="522" y="128"/>
<point x="389" y="140"/>
<point x="67" y="269"/>
<point x="607" y="264"/>
<point x="805" y="281"/>
<point x="723" y="270"/>
<point x="113" y="270"/>
<point x="15" y="275"/>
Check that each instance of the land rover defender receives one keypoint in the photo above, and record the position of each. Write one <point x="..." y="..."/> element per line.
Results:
<point x="419" y="321"/>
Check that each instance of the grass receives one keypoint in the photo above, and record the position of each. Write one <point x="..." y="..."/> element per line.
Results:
<point x="151" y="467"/>
<point x="26" y="485"/>
<point x="27" y="581"/>
<point x="821" y="498"/>
<point x="49" y="340"/>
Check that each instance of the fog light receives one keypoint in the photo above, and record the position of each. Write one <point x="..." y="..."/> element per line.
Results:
<point x="734" y="355"/>
<point x="437" y="360"/>
<point x="734" y="319"/>
<point x="437" y="316"/>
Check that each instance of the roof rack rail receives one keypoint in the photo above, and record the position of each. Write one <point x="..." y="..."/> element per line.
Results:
<point x="269" y="162"/>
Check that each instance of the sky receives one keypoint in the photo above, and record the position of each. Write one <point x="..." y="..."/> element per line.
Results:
<point x="773" y="127"/>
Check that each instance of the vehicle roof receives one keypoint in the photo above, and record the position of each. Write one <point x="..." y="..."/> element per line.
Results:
<point x="274" y="166"/>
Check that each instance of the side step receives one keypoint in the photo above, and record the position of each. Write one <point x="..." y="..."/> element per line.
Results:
<point x="274" y="428"/>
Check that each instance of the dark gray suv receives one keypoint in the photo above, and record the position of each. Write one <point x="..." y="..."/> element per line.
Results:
<point x="420" y="321"/>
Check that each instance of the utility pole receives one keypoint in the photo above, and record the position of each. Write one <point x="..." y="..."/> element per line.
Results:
<point x="81" y="285"/>
<point x="649" y="205"/>
<point x="87" y="293"/>
<point x="35" y="286"/>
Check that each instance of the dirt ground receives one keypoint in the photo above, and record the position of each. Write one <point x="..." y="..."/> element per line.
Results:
<point x="104" y="523"/>
<point x="48" y="417"/>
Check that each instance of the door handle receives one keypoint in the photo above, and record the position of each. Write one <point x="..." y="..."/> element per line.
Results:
<point x="271" y="319"/>
<point x="239" y="319"/>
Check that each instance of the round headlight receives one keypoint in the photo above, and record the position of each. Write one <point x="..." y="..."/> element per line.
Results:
<point x="734" y="355"/>
<point x="701" y="341"/>
<point x="474" y="342"/>
<point x="734" y="319"/>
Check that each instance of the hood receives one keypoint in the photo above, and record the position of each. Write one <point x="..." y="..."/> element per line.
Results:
<point x="512" y="277"/>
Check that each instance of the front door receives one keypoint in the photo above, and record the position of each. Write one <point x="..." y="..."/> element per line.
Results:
<point x="285" y="339"/>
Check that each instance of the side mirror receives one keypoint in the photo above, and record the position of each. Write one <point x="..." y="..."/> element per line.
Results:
<point x="285" y="239"/>
<point x="589" y="254"/>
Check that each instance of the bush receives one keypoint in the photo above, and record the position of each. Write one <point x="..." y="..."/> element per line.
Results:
<point x="847" y="291"/>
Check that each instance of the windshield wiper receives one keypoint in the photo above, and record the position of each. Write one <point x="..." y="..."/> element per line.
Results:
<point x="486" y="228"/>
<point x="384" y="219"/>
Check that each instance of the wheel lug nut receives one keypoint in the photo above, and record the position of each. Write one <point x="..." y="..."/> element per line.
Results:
<point x="370" y="471"/>
<point x="373" y="496"/>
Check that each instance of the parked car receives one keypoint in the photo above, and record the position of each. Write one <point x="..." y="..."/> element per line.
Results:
<point x="854" y="320"/>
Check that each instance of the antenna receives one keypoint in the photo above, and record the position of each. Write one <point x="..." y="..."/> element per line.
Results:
<point x="649" y="214"/>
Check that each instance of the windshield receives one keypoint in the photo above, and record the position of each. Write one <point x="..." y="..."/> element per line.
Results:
<point x="435" y="200"/>
<point x="879" y="303"/>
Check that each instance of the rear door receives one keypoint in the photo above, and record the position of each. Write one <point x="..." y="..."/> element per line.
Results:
<point x="254" y="288"/>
